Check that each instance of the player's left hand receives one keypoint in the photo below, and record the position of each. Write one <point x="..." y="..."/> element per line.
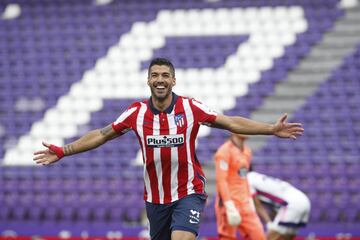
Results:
<point x="287" y="130"/>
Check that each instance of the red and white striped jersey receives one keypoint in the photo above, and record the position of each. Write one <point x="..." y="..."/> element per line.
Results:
<point x="167" y="139"/>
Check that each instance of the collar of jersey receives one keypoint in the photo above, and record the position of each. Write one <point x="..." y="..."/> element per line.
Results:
<point x="168" y="110"/>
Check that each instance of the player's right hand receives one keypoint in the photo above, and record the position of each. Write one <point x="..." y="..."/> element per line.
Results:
<point x="47" y="156"/>
<point x="232" y="214"/>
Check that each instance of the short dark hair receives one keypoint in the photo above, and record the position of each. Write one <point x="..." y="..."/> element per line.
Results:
<point x="162" y="61"/>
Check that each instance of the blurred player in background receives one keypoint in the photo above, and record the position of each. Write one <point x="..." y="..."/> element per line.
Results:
<point x="291" y="206"/>
<point x="166" y="126"/>
<point x="234" y="205"/>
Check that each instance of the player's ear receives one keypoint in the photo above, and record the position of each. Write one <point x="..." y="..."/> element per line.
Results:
<point x="174" y="82"/>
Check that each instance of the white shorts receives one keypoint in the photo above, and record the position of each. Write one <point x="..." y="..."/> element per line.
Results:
<point x="293" y="216"/>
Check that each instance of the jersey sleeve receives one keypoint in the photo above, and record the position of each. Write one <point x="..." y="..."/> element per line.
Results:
<point x="203" y="113"/>
<point x="222" y="166"/>
<point x="126" y="120"/>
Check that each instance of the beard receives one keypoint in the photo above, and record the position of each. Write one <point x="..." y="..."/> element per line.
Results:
<point x="161" y="94"/>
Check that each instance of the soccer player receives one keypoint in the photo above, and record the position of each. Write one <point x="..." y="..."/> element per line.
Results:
<point x="292" y="206"/>
<point x="234" y="205"/>
<point x="166" y="126"/>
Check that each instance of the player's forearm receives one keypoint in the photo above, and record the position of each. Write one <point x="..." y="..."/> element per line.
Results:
<point x="242" y="125"/>
<point x="264" y="215"/>
<point x="224" y="193"/>
<point x="261" y="211"/>
<point x="90" y="140"/>
<point x="222" y="187"/>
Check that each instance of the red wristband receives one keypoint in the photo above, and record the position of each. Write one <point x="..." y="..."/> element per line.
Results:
<point x="57" y="150"/>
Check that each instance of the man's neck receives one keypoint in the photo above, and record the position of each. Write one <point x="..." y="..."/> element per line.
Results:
<point x="237" y="143"/>
<point x="162" y="105"/>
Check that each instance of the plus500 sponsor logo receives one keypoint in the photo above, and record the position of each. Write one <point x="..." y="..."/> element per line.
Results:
<point x="165" y="140"/>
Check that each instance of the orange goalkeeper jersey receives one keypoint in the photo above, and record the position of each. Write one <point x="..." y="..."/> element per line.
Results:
<point x="232" y="165"/>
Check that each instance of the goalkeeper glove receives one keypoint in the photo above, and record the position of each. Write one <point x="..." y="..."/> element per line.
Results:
<point x="232" y="213"/>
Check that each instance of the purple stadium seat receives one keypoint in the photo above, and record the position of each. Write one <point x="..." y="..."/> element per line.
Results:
<point x="48" y="49"/>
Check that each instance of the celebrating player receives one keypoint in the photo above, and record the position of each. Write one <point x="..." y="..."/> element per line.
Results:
<point x="166" y="126"/>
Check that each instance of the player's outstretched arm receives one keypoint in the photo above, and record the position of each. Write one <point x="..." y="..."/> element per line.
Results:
<point x="247" y="126"/>
<point x="90" y="140"/>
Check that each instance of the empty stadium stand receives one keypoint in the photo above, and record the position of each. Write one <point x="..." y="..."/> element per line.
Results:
<point x="70" y="66"/>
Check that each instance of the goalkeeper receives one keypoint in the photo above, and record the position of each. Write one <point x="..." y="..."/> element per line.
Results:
<point x="234" y="205"/>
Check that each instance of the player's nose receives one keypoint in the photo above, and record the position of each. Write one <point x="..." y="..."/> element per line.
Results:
<point x="160" y="81"/>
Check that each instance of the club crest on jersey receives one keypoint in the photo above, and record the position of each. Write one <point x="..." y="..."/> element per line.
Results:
<point x="165" y="140"/>
<point x="243" y="172"/>
<point x="179" y="120"/>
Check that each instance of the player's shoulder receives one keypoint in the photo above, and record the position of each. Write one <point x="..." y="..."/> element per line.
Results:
<point x="255" y="176"/>
<point x="247" y="149"/>
<point x="138" y="103"/>
<point x="198" y="104"/>
<point x="195" y="100"/>
<point x="133" y="107"/>
<point x="181" y="99"/>
<point x="188" y="98"/>
<point x="223" y="149"/>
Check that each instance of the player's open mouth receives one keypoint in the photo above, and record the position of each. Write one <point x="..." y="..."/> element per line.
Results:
<point x="160" y="89"/>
